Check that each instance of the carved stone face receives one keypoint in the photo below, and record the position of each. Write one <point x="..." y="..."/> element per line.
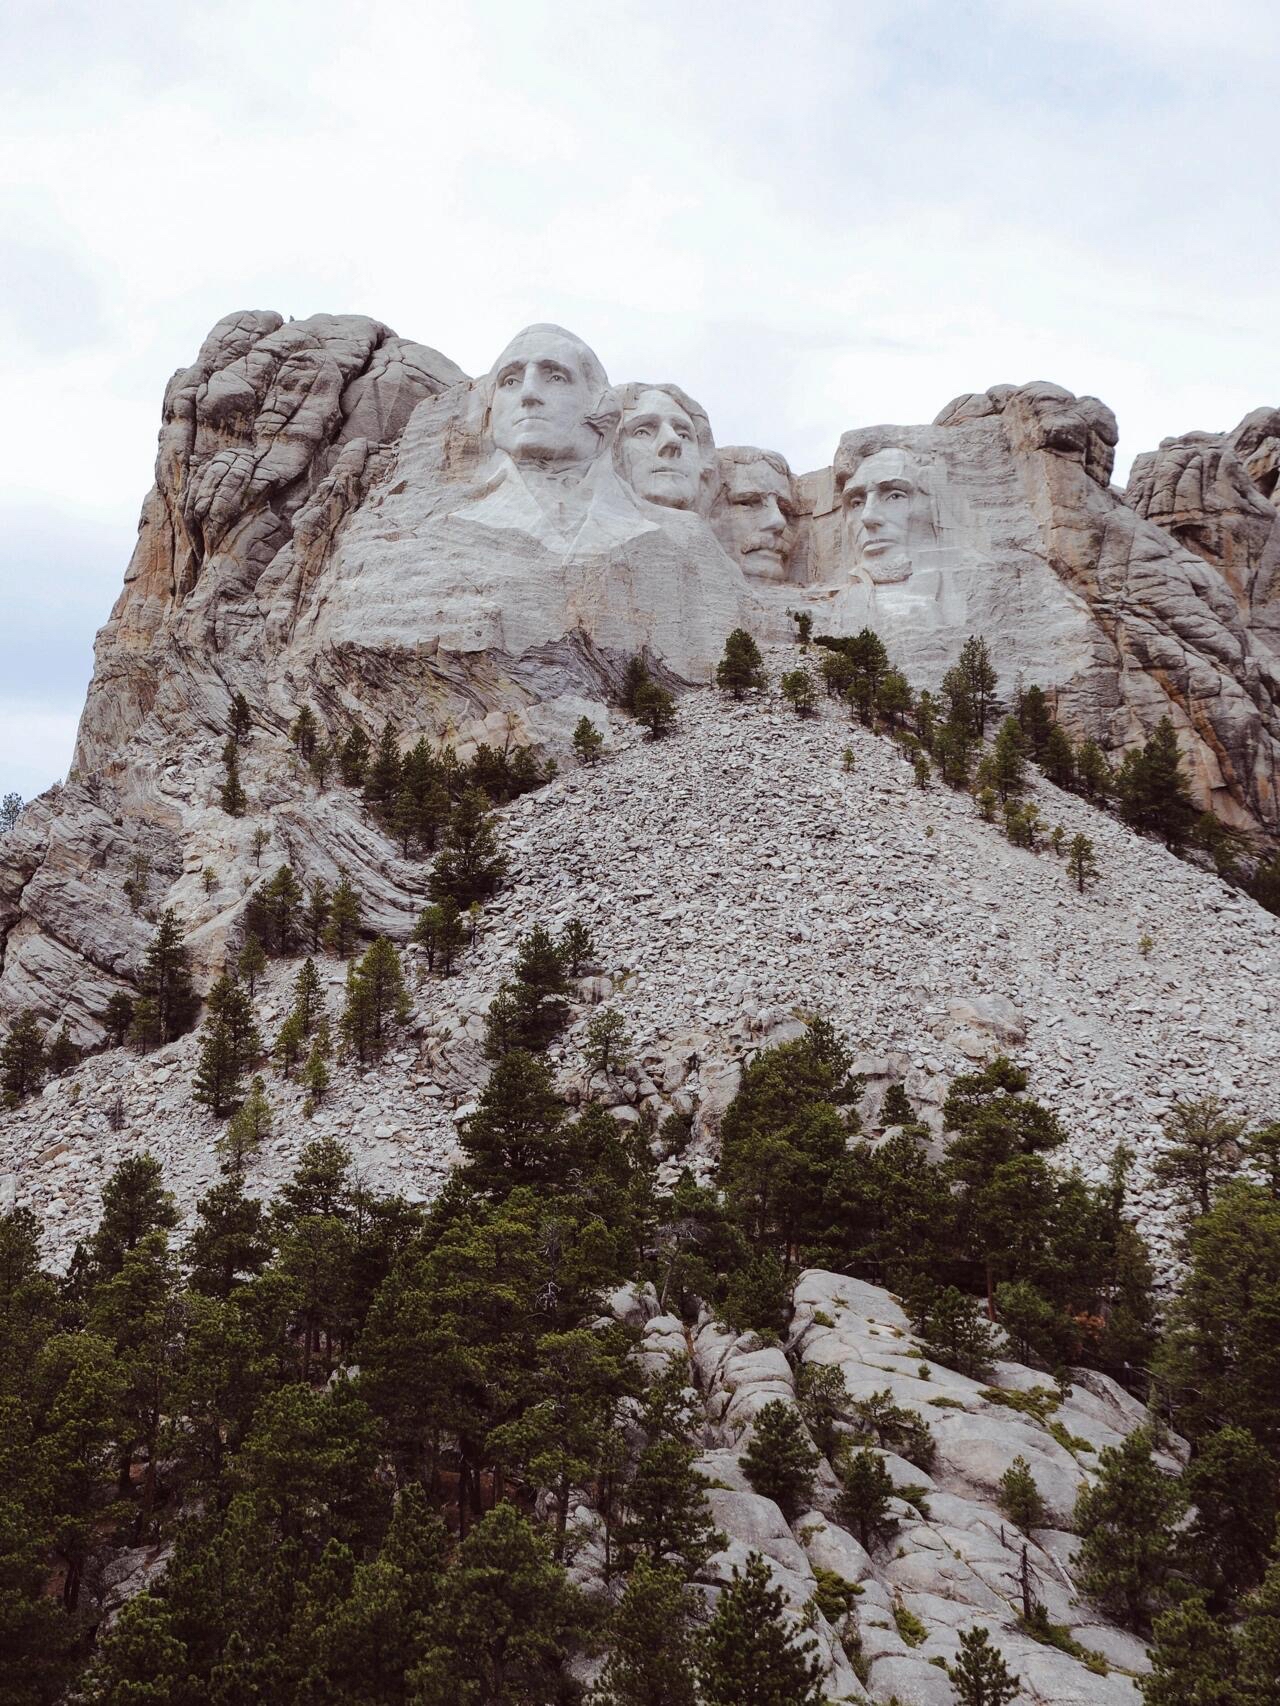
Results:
<point x="660" y="455"/>
<point x="754" y="514"/>
<point x="882" y="497"/>
<point x="545" y="385"/>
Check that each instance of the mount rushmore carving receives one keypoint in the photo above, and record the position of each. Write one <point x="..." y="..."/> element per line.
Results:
<point x="342" y="518"/>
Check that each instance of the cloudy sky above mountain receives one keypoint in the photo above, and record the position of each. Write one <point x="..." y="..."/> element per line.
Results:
<point x="813" y="217"/>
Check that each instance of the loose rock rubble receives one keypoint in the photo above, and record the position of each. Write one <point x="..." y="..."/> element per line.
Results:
<point x="737" y="881"/>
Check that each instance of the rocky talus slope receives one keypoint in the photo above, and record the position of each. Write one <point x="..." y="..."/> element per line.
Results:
<point x="736" y="880"/>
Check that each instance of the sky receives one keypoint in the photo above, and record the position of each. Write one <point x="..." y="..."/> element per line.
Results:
<point x="813" y="217"/>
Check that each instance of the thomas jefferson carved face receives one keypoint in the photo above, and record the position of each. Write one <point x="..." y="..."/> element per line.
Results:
<point x="546" y="388"/>
<point x="754" y="511"/>
<point x="664" y="453"/>
<point x="880" y="500"/>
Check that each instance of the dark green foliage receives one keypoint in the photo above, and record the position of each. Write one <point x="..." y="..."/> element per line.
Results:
<point x="22" y="1059"/>
<point x="516" y="1137"/>
<point x="470" y="867"/>
<point x="240" y="720"/>
<point x="655" y="710"/>
<point x="383" y="773"/>
<point x="634" y="678"/>
<point x="1194" y="1660"/>
<point x="576" y="946"/>
<point x="1005" y="769"/>
<point x="231" y="794"/>
<point x="741" y="668"/>
<point x="668" y="1519"/>
<point x="605" y="1049"/>
<point x="1082" y="865"/>
<point x="953" y="752"/>
<point x="342" y="927"/>
<point x="955" y="1331"/>
<point x="1093" y="773"/>
<point x="304" y="732"/>
<point x="780" y="1462"/>
<point x="1231" y="1483"/>
<point x="442" y="933"/>
<point x="134" y="1205"/>
<point x="377" y="1002"/>
<point x="804" y="626"/>
<point x="896" y="1108"/>
<point x="1057" y="758"/>
<point x="799" y="691"/>
<point x="117" y="1017"/>
<point x="588" y="742"/>
<point x="62" y="1054"/>
<point x="651" y="1653"/>
<point x="353" y="757"/>
<point x="1039" y="1332"/>
<point x="229" y="1241"/>
<point x="1152" y="789"/>
<point x="166" y="981"/>
<point x="251" y="962"/>
<point x="1127" y="1522"/>
<point x="229" y="1046"/>
<point x="1259" y="1677"/>
<point x="1020" y="1497"/>
<point x="866" y="1492"/>
<point x="748" y="1656"/>
<point x="1036" y="722"/>
<point x="980" y="1676"/>
<point x="1203" y="1153"/>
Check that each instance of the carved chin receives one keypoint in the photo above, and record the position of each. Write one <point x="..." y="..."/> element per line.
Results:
<point x="671" y="494"/>
<point x="764" y="562"/>
<point x="884" y="571"/>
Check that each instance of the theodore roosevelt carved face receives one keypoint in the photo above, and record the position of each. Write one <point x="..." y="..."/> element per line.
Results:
<point x="881" y="502"/>
<point x="665" y="447"/>
<point x="550" y="401"/>
<point x="754" y="510"/>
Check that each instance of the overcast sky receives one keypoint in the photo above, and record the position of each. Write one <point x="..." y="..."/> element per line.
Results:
<point x="812" y="216"/>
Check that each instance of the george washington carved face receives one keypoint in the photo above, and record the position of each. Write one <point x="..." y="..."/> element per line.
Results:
<point x="547" y="392"/>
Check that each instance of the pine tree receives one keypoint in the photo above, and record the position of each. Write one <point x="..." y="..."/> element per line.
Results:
<point x="1231" y="1486"/>
<point x="240" y="722"/>
<point x="1058" y="758"/>
<point x="780" y="1462"/>
<point x="576" y="946"/>
<point x="249" y="1129"/>
<point x="251" y="962"/>
<point x="1082" y="866"/>
<point x="320" y="764"/>
<point x="441" y="932"/>
<point x="229" y="1240"/>
<point x="1153" y="790"/>
<point x="655" y="710"/>
<point x="980" y="678"/>
<point x="117" y="1017"/>
<point x="289" y="1042"/>
<point x="470" y="867"/>
<point x="668" y="1518"/>
<point x="304" y="732"/>
<point x="1092" y="770"/>
<point x="377" y="1001"/>
<point x="635" y="677"/>
<point x="748" y="1656"/>
<point x="382" y="776"/>
<point x="62" y="1054"/>
<point x="345" y="918"/>
<point x="605" y="1048"/>
<point x="1035" y="721"/>
<point x="955" y="1331"/>
<point x="1194" y="1659"/>
<point x="893" y="697"/>
<point x="799" y="692"/>
<point x="315" y="917"/>
<point x="1019" y="1497"/>
<point x="219" y="1070"/>
<point x="516" y="1135"/>
<point x="308" y="997"/>
<point x="166" y="979"/>
<point x="316" y="1072"/>
<point x="231" y="794"/>
<point x="866" y="1491"/>
<point x="896" y="1108"/>
<point x="1128" y="1523"/>
<point x="1007" y="763"/>
<point x="980" y="1676"/>
<point x="353" y="757"/>
<point x="1259" y="1678"/>
<point x="1203" y="1153"/>
<point x="742" y="667"/>
<point x="651" y="1652"/>
<point x="134" y="1205"/>
<point x="588" y="742"/>
<point x="22" y="1059"/>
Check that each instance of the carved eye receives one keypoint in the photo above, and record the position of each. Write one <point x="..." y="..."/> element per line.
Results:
<point x="642" y="432"/>
<point x="558" y="378"/>
<point x="854" y="500"/>
<point x="509" y="381"/>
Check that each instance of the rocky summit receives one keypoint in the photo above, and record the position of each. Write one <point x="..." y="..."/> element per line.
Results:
<point x="948" y="771"/>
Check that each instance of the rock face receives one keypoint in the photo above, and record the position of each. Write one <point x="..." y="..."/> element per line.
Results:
<point x="342" y="519"/>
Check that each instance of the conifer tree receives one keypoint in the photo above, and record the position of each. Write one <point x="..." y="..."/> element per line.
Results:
<point x="320" y="764"/>
<point x="651" y="1652"/>
<point x="668" y="1519"/>
<point x="780" y="1462"/>
<point x="955" y="1332"/>
<point x="219" y="1071"/>
<point x="344" y="918"/>
<point x="741" y="668"/>
<point x="353" y="757"/>
<point x="166" y="979"/>
<point x="229" y="1239"/>
<point x="441" y="932"/>
<point x="308" y="997"/>
<point x="1259" y="1676"/>
<point x="22" y="1059"/>
<point x="240" y="722"/>
<point x="470" y="866"/>
<point x="635" y="677"/>
<point x="304" y="732"/>
<point x="588" y="742"/>
<point x="1006" y="768"/>
<point x="1152" y="788"/>
<point x="1035" y="721"/>
<point x="896" y="1109"/>
<point x="1231" y="1486"/>
<point x="1092" y="770"/>
<point x="377" y="1001"/>
<point x="798" y="690"/>
<point x="893" y="697"/>
<point x="1203" y="1153"/>
<point x="576" y="946"/>
<point x="134" y="1205"/>
<point x="865" y="1494"/>
<point x="382" y="775"/>
<point x="1058" y="758"/>
<point x="1128" y="1522"/>
<point x="231" y="794"/>
<point x="315" y="916"/>
<point x="980" y="679"/>
<point x="980" y="1676"/>
<point x="1082" y="866"/>
<point x="251" y="962"/>
<point x="62" y="1053"/>
<point x="289" y="1043"/>
<point x="117" y="1017"/>
<point x="1194" y="1659"/>
<point x="748" y="1656"/>
<point x="516" y="1135"/>
<point x="605" y="1049"/>
<point x="1019" y="1497"/>
<point x="249" y="1128"/>
<point x="316" y="1071"/>
<point x="655" y="710"/>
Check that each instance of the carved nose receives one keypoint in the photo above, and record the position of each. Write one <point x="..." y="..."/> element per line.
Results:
<point x="669" y="443"/>
<point x="773" y="521"/>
